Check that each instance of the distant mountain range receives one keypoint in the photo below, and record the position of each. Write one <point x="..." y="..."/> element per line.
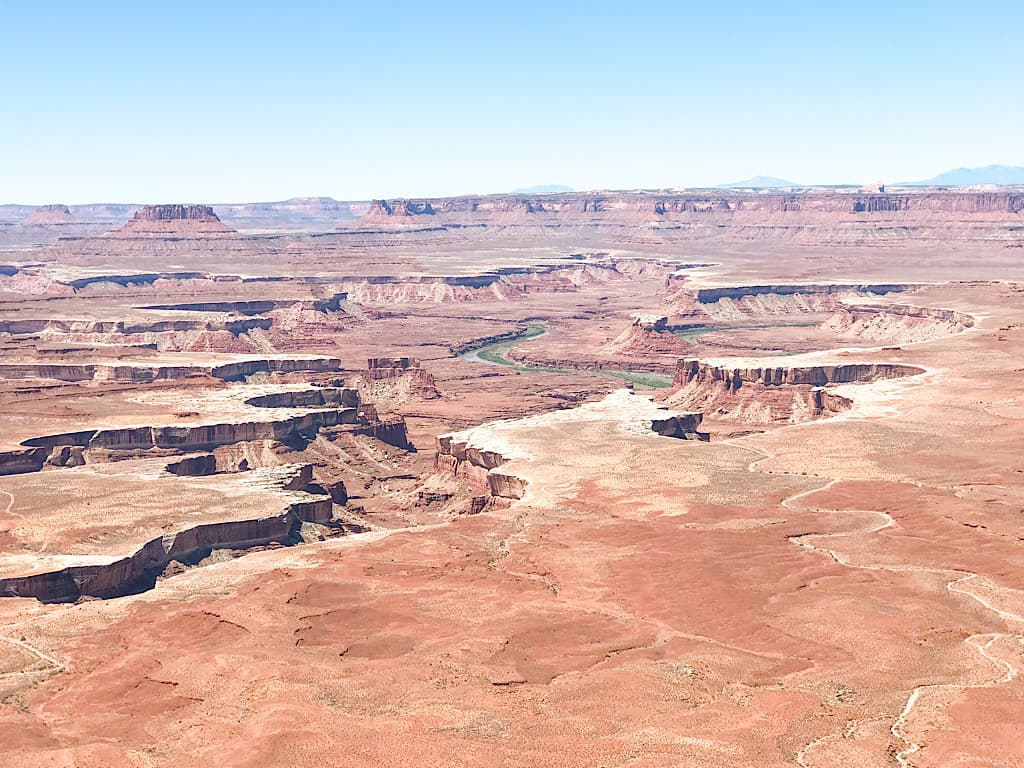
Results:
<point x="966" y="177"/>
<point x="543" y="189"/>
<point x="765" y="182"/>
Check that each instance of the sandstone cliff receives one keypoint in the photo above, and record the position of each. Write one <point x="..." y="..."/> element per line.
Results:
<point x="140" y="570"/>
<point x="774" y="394"/>
<point x="813" y="215"/>
<point x="173" y="222"/>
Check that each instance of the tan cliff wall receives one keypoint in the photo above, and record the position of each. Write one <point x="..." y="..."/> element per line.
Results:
<point x="692" y="370"/>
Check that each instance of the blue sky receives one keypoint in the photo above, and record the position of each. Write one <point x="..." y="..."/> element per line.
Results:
<point x="231" y="102"/>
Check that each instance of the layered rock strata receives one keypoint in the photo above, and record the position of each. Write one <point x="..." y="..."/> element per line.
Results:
<point x="140" y="570"/>
<point x="773" y="395"/>
<point x="143" y="373"/>
<point x="173" y="222"/>
<point x="394" y="380"/>
<point x="694" y="371"/>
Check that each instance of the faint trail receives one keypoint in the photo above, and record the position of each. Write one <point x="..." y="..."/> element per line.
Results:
<point x="10" y="501"/>
<point x="56" y="665"/>
<point x="1009" y="672"/>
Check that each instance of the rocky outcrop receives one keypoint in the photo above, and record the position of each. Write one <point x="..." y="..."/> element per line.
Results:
<point x="173" y="222"/>
<point x="649" y="335"/>
<point x="403" y="208"/>
<point x="692" y="370"/>
<point x="175" y="213"/>
<point x="390" y="430"/>
<point x="141" y="373"/>
<point x="896" y="323"/>
<point x="140" y="571"/>
<point x="52" y="214"/>
<point x="200" y="436"/>
<point x="395" y="380"/>
<point x="194" y="466"/>
<point x="456" y="456"/>
<point x="773" y="394"/>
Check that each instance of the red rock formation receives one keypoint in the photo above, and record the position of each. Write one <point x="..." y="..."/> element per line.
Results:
<point x="139" y="571"/>
<point x="767" y="395"/>
<point x="173" y="222"/>
<point x="649" y="335"/>
<point x="811" y="216"/>
<point x="52" y="214"/>
<point x="690" y="371"/>
<point x="394" y="380"/>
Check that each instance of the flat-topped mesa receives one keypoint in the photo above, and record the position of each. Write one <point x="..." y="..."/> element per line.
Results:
<point x="301" y="501"/>
<point x="692" y="370"/>
<point x="173" y="222"/>
<point x="57" y="213"/>
<point x="175" y="212"/>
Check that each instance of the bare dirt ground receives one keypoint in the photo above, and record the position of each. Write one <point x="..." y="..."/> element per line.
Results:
<point x="813" y="589"/>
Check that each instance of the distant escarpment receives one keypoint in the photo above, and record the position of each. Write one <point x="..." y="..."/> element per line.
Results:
<point x="773" y="394"/>
<point x="173" y="222"/>
<point x="813" y="215"/>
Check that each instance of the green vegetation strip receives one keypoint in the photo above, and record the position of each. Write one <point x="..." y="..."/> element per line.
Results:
<point x="496" y="353"/>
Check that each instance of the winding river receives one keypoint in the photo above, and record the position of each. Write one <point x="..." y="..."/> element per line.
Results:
<point x="495" y="354"/>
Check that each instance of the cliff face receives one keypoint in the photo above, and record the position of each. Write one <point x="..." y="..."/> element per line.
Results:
<point x="459" y="458"/>
<point x="395" y="380"/>
<point x="694" y="371"/>
<point x="175" y="213"/>
<point x="140" y="570"/>
<point x="811" y="216"/>
<point x="198" y="437"/>
<point x="142" y="373"/>
<point x="773" y="395"/>
<point x="897" y="323"/>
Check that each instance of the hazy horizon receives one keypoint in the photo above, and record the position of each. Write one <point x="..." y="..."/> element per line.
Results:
<point x="118" y="102"/>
